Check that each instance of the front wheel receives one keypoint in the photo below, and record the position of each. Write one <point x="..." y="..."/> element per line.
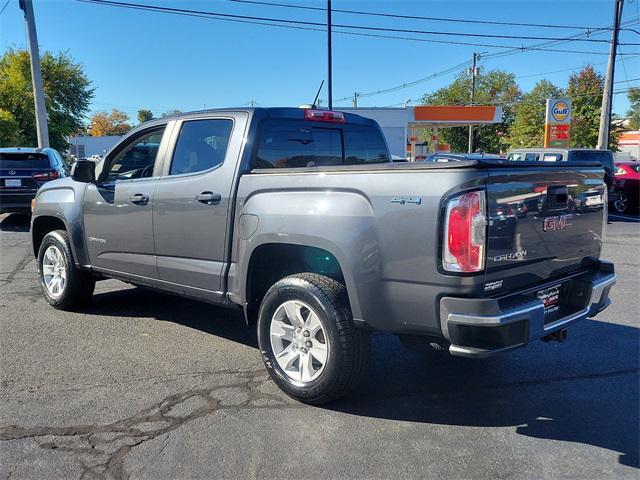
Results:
<point x="64" y="286"/>
<point x="309" y="343"/>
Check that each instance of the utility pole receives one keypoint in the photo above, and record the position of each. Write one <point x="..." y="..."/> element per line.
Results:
<point x="355" y="100"/>
<point x="36" y="75"/>
<point x="607" y="94"/>
<point x="329" y="79"/>
<point x="474" y="74"/>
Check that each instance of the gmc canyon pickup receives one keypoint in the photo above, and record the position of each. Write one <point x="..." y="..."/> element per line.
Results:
<point x="299" y="217"/>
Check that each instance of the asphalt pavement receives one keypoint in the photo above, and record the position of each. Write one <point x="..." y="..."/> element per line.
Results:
<point x="146" y="385"/>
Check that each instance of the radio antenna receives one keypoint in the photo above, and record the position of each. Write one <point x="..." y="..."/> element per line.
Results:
<point x="317" y="95"/>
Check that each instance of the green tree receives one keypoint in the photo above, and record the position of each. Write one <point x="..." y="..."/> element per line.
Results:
<point x="634" y="111"/>
<point x="585" y="90"/>
<point x="527" y="130"/>
<point x="144" y="115"/>
<point x="114" y="123"/>
<point x="67" y="90"/>
<point x="495" y="87"/>
<point x="9" y="130"/>
<point x="170" y="113"/>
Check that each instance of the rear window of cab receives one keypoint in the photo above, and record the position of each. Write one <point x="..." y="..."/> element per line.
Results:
<point x="299" y="144"/>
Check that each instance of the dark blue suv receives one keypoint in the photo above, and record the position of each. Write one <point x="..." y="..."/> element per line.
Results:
<point x="23" y="171"/>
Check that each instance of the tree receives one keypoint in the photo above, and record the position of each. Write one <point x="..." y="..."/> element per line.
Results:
<point x="67" y="91"/>
<point x="170" y="113"/>
<point x="634" y="111"/>
<point x="114" y="123"/>
<point x="144" y="115"/>
<point x="494" y="87"/>
<point x="527" y="129"/>
<point x="9" y="130"/>
<point x="585" y="90"/>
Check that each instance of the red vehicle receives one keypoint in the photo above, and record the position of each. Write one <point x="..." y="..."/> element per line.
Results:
<point x="625" y="184"/>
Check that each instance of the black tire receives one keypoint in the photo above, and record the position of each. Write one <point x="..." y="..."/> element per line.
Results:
<point x="621" y="203"/>
<point x="348" y="346"/>
<point x="79" y="285"/>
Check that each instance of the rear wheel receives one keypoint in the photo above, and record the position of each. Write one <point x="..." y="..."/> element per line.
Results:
<point x="621" y="203"/>
<point x="309" y="343"/>
<point x="64" y="286"/>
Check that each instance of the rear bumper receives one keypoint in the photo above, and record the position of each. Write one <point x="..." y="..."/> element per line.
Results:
<point x="11" y="201"/>
<point x="484" y="327"/>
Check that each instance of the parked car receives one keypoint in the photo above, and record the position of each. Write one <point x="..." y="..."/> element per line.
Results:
<point x="24" y="170"/>
<point x="299" y="218"/>
<point x="626" y="182"/>
<point x="603" y="157"/>
<point x="453" y="157"/>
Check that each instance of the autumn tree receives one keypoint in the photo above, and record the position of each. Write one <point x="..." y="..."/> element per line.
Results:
<point x="495" y="87"/>
<point x="67" y="90"/>
<point x="170" y="113"/>
<point x="144" y="115"/>
<point x="114" y="123"/>
<point x="585" y="90"/>
<point x="634" y="108"/>
<point x="527" y="129"/>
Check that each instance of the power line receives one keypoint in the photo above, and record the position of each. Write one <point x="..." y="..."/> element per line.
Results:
<point x="355" y="27"/>
<point x="419" y="17"/>
<point x="214" y="16"/>
<point x="4" y="6"/>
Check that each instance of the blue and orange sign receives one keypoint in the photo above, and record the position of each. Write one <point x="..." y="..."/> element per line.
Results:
<point x="558" y="123"/>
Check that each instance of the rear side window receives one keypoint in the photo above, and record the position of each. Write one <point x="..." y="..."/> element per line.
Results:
<point x="202" y="145"/>
<point x="24" y="160"/>
<point x="531" y="157"/>
<point x="552" y="157"/>
<point x="292" y="143"/>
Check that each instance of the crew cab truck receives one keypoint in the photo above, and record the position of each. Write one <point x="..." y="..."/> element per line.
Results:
<point x="299" y="218"/>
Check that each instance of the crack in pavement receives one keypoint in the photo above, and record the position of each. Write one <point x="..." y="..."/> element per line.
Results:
<point x="101" y="450"/>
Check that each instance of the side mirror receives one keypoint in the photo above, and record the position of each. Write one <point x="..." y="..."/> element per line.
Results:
<point x="84" y="171"/>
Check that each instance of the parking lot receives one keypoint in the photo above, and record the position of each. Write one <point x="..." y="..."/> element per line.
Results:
<point x="146" y="385"/>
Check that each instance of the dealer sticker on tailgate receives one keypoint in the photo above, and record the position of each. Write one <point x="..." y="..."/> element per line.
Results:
<point x="551" y="298"/>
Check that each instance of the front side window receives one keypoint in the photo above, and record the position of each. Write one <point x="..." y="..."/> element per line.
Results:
<point x="201" y="145"/>
<point x="137" y="159"/>
<point x="295" y="144"/>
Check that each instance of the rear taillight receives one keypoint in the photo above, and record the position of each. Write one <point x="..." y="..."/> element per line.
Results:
<point x="45" y="177"/>
<point x="323" y="116"/>
<point x="463" y="247"/>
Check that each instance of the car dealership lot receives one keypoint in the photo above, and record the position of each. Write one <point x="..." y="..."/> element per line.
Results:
<point x="146" y="385"/>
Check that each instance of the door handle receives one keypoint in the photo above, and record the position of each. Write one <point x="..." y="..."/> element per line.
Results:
<point x="139" y="199"/>
<point x="209" y="198"/>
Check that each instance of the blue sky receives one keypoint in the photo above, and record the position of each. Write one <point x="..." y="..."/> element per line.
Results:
<point x="149" y="60"/>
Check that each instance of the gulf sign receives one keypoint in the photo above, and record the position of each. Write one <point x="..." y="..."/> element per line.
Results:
<point x="558" y="111"/>
<point x="558" y="121"/>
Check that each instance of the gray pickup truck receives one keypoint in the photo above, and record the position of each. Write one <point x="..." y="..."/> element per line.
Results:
<point x="299" y="218"/>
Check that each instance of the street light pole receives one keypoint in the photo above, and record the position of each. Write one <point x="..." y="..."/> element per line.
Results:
<point x="42" y="129"/>
<point x="473" y="96"/>
<point x="607" y="94"/>
<point x="329" y="79"/>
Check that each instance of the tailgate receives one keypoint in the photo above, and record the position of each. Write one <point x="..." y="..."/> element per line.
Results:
<point x="544" y="222"/>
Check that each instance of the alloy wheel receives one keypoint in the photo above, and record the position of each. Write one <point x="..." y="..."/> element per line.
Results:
<point x="54" y="271"/>
<point x="299" y="342"/>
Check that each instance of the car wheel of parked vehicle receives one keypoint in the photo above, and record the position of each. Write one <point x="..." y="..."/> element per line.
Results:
<point x="64" y="286"/>
<point x="621" y="203"/>
<point x="309" y="343"/>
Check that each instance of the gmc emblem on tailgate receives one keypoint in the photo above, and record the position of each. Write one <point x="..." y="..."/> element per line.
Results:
<point x="559" y="222"/>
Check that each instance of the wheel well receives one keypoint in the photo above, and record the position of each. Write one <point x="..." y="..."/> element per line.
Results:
<point x="272" y="262"/>
<point x="42" y="226"/>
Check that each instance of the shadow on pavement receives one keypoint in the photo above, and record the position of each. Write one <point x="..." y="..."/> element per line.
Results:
<point x="16" y="222"/>
<point x="585" y="390"/>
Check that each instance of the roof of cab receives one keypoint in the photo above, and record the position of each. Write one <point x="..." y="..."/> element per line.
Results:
<point x="292" y="113"/>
